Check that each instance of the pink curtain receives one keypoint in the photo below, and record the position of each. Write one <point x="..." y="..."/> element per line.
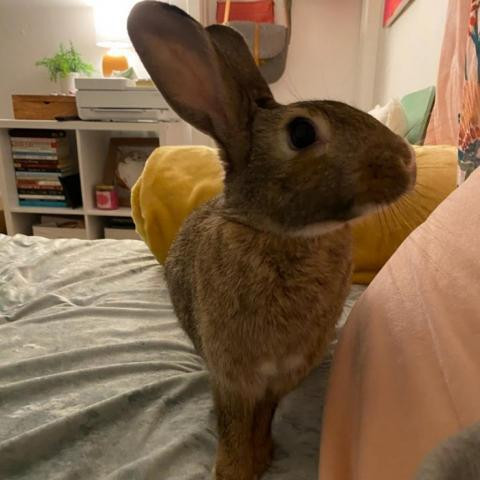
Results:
<point x="469" y="118"/>
<point x="444" y="125"/>
<point x="456" y="115"/>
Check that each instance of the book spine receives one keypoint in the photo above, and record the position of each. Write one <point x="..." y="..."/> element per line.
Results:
<point x="39" y="147"/>
<point x="39" y="191"/>
<point x="37" y="181"/>
<point x="37" y="166"/>
<point x="50" y="161"/>
<point x="36" y="175"/>
<point x="42" y="170"/>
<point x="38" y="184"/>
<point x="44" y="143"/>
<point x="38" y="151"/>
<point x="41" y="164"/>
<point x="37" y="156"/>
<point x="40" y="133"/>
<point x="41" y="197"/>
<point x="41" y="203"/>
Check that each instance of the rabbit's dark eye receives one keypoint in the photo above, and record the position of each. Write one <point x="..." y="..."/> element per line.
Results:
<point x="301" y="133"/>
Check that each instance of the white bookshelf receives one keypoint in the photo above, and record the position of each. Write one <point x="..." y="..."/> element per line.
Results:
<point x="91" y="140"/>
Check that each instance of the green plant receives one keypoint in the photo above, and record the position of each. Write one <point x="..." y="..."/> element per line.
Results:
<point x="65" y="61"/>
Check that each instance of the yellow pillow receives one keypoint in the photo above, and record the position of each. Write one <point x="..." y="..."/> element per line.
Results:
<point x="176" y="180"/>
<point x="377" y="236"/>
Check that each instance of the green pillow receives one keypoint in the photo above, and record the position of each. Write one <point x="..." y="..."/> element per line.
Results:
<point x="418" y="107"/>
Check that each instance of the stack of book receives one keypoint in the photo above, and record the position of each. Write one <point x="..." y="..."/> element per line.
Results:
<point x="42" y="161"/>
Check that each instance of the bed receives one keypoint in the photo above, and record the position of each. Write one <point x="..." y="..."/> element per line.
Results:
<point x="97" y="381"/>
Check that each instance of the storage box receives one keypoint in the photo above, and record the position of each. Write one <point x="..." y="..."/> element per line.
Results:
<point x="59" y="232"/>
<point x="121" y="233"/>
<point x="43" y="107"/>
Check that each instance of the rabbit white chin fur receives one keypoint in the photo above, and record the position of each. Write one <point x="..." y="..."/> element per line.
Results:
<point x="321" y="228"/>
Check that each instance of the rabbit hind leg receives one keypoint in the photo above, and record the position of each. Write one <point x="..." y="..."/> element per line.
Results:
<point x="244" y="427"/>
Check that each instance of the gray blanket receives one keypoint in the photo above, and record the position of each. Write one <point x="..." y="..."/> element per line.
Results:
<point x="97" y="381"/>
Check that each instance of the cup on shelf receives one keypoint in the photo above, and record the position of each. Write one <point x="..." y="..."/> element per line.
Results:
<point x="106" y="197"/>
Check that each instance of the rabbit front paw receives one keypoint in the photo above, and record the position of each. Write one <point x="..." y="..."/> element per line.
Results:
<point x="217" y="475"/>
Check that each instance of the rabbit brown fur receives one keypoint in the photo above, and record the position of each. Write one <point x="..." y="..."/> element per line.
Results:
<point x="456" y="458"/>
<point x="258" y="276"/>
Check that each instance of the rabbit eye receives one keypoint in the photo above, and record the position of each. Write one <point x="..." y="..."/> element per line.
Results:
<point x="301" y="132"/>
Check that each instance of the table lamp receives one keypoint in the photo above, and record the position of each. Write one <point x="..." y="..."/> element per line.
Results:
<point x="111" y="32"/>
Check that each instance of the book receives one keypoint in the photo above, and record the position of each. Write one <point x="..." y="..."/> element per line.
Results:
<point x="34" y="165"/>
<point x="52" y="161"/>
<point x="41" y="197"/>
<point x="47" y="144"/>
<point x="42" y="144"/>
<point x="37" y="175"/>
<point x="38" y="133"/>
<point x="41" y="185"/>
<point x="26" y="196"/>
<point x="38" y="183"/>
<point x="38" y="156"/>
<point x="47" y="178"/>
<point x="44" y="170"/>
<point x="40" y="191"/>
<point x="42" y="203"/>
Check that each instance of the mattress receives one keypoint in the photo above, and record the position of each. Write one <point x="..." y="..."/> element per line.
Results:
<point x="98" y="381"/>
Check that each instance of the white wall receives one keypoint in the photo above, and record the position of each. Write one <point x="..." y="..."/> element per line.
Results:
<point x="30" y="30"/>
<point x="323" y="55"/>
<point x="409" y="51"/>
<point x="322" y="60"/>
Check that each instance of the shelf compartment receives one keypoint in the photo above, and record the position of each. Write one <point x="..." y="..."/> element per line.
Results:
<point x="90" y="142"/>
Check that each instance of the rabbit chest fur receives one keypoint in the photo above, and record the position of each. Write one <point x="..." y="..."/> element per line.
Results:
<point x="260" y="308"/>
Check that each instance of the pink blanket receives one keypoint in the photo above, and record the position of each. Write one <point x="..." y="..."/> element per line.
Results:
<point x="407" y="368"/>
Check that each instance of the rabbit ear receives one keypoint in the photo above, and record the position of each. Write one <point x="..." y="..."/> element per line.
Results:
<point x="181" y="61"/>
<point x="238" y="60"/>
<point x="209" y="79"/>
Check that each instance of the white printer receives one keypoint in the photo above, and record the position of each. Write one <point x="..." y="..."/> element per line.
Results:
<point x="121" y="100"/>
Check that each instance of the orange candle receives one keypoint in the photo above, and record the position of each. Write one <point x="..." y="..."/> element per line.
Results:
<point x="113" y="60"/>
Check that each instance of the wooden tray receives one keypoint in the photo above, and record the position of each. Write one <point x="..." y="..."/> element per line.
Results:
<point x="43" y="107"/>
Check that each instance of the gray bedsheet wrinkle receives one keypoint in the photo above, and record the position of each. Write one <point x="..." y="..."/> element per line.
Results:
<point x="98" y="381"/>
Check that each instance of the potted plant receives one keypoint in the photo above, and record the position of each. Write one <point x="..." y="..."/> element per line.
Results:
<point x="65" y="66"/>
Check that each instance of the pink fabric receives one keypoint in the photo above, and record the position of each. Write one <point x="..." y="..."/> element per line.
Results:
<point x="443" y="127"/>
<point x="407" y="368"/>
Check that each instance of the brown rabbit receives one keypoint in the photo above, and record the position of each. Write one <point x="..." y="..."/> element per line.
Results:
<point x="259" y="275"/>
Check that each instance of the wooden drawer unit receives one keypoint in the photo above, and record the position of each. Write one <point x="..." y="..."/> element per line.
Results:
<point x="43" y="107"/>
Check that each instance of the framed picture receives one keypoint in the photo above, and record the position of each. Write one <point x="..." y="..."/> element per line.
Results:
<point x="125" y="161"/>
<point x="392" y="9"/>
